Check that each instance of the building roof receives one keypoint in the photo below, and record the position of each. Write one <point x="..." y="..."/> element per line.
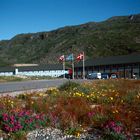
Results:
<point x="22" y="65"/>
<point x="123" y="59"/>
<point x="33" y="68"/>
<point x="42" y="67"/>
<point x="7" y="69"/>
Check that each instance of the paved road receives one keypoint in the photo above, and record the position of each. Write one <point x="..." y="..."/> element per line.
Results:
<point x="35" y="84"/>
<point x="27" y="85"/>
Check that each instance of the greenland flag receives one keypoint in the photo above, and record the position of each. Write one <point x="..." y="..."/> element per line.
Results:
<point x="80" y="56"/>
<point x="62" y="58"/>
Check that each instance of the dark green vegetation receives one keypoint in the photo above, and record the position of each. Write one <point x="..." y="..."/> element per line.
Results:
<point x="115" y="36"/>
<point x="22" y="78"/>
<point x="9" y="78"/>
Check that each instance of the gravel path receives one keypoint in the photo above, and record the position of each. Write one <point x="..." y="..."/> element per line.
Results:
<point x="56" y="134"/>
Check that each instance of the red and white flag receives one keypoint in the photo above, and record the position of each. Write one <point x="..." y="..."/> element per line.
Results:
<point x="80" y="56"/>
<point x="62" y="58"/>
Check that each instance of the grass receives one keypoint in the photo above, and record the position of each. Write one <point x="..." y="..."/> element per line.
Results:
<point x="110" y="107"/>
<point x="9" y="78"/>
<point x="21" y="78"/>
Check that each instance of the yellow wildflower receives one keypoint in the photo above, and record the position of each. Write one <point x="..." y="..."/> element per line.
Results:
<point x="78" y="134"/>
<point x="87" y="96"/>
<point x="12" y="102"/>
<point x="122" y="101"/>
<point x="138" y="96"/>
<point x="40" y="94"/>
<point x="32" y="102"/>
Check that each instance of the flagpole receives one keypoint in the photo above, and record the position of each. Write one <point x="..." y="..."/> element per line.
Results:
<point x="72" y="66"/>
<point x="83" y="65"/>
<point x="64" y="68"/>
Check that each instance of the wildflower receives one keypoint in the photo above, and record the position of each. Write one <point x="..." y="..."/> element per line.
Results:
<point x="5" y="117"/>
<point x="113" y="126"/>
<point x="12" y="102"/>
<point x="12" y="117"/>
<point x="138" y="96"/>
<point x="118" y="129"/>
<point x="87" y="96"/>
<point x="77" y="134"/>
<point x="37" y="116"/>
<point x="90" y="114"/>
<point x="116" y="94"/>
<point x="40" y="94"/>
<point x="32" y="102"/>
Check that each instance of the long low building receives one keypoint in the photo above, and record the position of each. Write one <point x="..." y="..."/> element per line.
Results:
<point x="41" y="70"/>
<point x="125" y="66"/>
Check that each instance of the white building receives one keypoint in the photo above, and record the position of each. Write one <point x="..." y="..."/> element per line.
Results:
<point x="55" y="70"/>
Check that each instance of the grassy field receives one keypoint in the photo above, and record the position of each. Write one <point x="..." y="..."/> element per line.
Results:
<point x="9" y="78"/>
<point x="22" y="78"/>
<point x="109" y="107"/>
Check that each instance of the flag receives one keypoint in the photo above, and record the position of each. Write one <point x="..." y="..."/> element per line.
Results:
<point x="80" y="56"/>
<point x="70" y="57"/>
<point x="62" y="58"/>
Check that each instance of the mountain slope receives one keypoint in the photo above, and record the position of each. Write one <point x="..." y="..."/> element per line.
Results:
<point x="115" y="36"/>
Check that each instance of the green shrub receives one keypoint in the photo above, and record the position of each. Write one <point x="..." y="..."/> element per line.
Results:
<point x="69" y="86"/>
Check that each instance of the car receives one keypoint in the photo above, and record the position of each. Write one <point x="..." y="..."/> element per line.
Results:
<point x="104" y="76"/>
<point x="94" y="75"/>
<point x="113" y="76"/>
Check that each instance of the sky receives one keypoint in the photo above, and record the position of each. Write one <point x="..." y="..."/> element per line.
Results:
<point x="30" y="16"/>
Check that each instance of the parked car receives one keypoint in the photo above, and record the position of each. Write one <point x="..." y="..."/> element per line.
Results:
<point x="94" y="75"/>
<point x="135" y="75"/>
<point x="113" y="76"/>
<point x="104" y="76"/>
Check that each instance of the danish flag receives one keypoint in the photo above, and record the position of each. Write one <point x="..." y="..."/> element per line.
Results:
<point x="62" y="58"/>
<point x="80" y="56"/>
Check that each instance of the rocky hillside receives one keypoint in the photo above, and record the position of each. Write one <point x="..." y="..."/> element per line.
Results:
<point x="115" y="36"/>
